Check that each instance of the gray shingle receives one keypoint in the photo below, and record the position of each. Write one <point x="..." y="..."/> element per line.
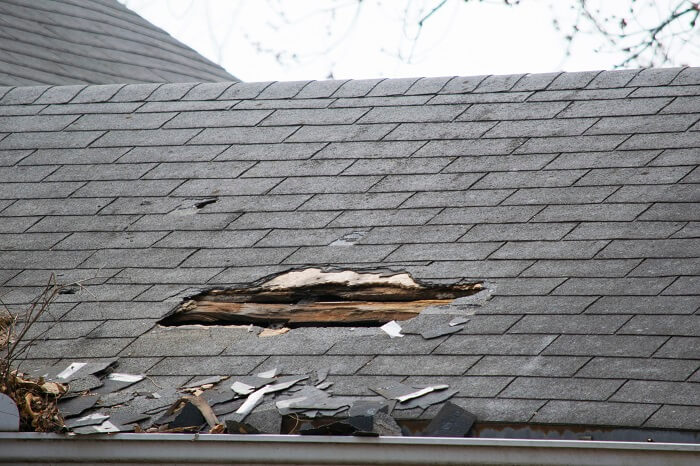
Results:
<point x="581" y="268"/>
<point x="49" y="140"/>
<point x="207" y="91"/>
<point x="413" y="234"/>
<point x="427" y="182"/>
<point x="211" y="239"/>
<point x="614" y="286"/>
<point x="469" y="147"/>
<point x="680" y="347"/>
<point x="336" y="133"/>
<point x="170" y="91"/>
<point x="428" y="85"/>
<point x="529" y="179"/>
<point x="260" y="220"/>
<point x="667" y="267"/>
<point x="97" y="240"/>
<point x="578" y="94"/>
<point x="236" y="256"/>
<point x="120" y="121"/>
<point x="76" y="109"/>
<point x="649" y="248"/>
<point x="354" y="201"/>
<point x="182" y="170"/>
<point x="216" y="119"/>
<point x="319" y="89"/>
<point x="638" y="368"/>
<point x="352" y="150"/>
<point x="612" y="79"/>
<point x="642" y="124"/>
<point x="499" y="163"/>
<point x="566" y="195"/>
<point x="594" y="413"/>
<point x="549" y="250"/>
<point x="153" y="137"/>
<point x="532" y="128"/>
<point x="567" y="324"/>
<point x="607" y="159"/>
<point x="495" y="344"/>
<point x="75" y="156"/>
<point x="669" y="416"/>
<point x="418" y="365"/>
<point x="382" y="217"/>
<point x="174" y="221"/>
<point x="238" y="135"/>
<point x="535" y="81"/>
<point x="590" y="212"/>
<point x="647" y="175"/>
<point x="356" y="87"/>
<point x="403" y="114"/>
<point x="99" y="172"/>
<point x="329" y="255"/>
<point x="20" y="124"/>
<point x="126" y="187"/>
<point x="498" y="214"/>
<point x="137" y="258"/>
<point x="573" y="80"/>
<point x="221" y="187"/>
<point x="297" y="168"/>
<point x="323" y="116"/>
<point x="597" y="108"/>
<point x="517" y="231"/>
<point x="229" y="365"/>
<point x="604" y="345"/>
<point x="443" y="251"/>
<point x="572" y="144"/>
<point x="323" y="184"/>
<point x="244" y="91"/>
<point x="654" y="77"/>
<point x="624" y="230"/>
<point x="543" y="366"/>
<point x="165" y="276"/>
<point x="470" y="198"/>
<point x="560" y="388"/>
<point x="96" y="93"/>
<point x="662" y="141"/>
<point x="270" y="151"/>
<point x="658" y="392"/>
<point x="457" y="130"/>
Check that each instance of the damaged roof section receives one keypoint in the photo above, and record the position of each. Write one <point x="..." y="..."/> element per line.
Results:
<point x="317" y="297"/>
<point x="574" y="196"/>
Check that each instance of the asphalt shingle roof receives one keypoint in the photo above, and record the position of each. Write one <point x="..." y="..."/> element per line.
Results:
<point x="91" y="42"/>
<point x="573" y="195"/>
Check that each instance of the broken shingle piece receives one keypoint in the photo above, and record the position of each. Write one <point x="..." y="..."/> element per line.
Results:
<point x="206" y="381"/>
<point x="89" y="420"/>
<point x="450" y="421"/>
<point x="104" y="428"/>
<point x="118" y="381"/>
<point x="458" y="321"/>
<point x="76" y="406"/>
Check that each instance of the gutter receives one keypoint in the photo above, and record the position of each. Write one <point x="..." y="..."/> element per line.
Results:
<point x="291" y="449"/>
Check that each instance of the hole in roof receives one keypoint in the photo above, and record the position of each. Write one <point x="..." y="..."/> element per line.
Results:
<point x="315" y="297"/>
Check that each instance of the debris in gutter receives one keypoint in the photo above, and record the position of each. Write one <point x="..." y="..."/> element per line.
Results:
<point x="393" y="329"/>
<point x="318" y="297"/>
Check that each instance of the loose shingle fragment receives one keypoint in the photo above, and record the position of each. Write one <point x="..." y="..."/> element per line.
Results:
<point x="450" y="421"/>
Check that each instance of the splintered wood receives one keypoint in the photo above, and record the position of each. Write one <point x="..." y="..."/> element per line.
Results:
<point x="312" y="297"/>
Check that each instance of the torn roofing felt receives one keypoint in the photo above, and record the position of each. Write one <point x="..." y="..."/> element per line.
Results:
<point x="92" y="42"/>
<point x="572" y="196"/>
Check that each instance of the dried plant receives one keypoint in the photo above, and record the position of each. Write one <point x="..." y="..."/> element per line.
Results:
<point x="35" y="398"/>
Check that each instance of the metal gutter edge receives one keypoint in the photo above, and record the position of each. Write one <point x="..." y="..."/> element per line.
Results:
<point x="292" y="449"/>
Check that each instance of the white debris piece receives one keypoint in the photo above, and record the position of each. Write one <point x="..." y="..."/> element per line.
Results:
<point x="421" y="392"/>
<point x="393" y="329"/>
<point x="71" y="369"/>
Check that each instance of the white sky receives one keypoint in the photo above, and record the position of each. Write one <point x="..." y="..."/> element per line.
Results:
<point x="255" y="40"/>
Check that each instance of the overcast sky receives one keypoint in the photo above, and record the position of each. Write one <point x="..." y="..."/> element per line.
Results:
<point x="260" y="40"/>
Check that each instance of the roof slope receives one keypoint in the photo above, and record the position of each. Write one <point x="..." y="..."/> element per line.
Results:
<point x="91" y="42"/>
<point x="574" y="195"/>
